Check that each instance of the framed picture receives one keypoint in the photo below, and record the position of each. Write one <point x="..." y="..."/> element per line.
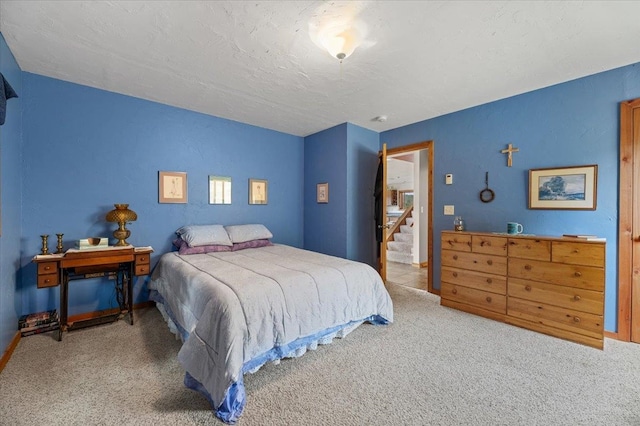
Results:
<point x="570" y="188"/>
<point x="322" y="193"/>
<point x="257" y="191"/>
<point x="219" y="189"/>
<point x="172" y="187"/>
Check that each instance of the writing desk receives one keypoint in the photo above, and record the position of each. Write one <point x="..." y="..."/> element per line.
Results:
<point x="119" y="263"/>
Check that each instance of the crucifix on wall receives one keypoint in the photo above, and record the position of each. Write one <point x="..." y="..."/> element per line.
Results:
<point x="509" y="151"/>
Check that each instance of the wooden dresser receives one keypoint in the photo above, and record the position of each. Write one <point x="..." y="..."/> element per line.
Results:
<point x="553" y="285"/>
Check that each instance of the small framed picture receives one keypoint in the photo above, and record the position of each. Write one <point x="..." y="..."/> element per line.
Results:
<point x="172" y="187"/>
<point x="565" y="188"/>
<point x="322" y="192"/>
<point x="257" y="191"/>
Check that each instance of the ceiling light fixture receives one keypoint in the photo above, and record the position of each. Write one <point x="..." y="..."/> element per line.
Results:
<point x="340" y="42"/>
<point x="337" y="30"/>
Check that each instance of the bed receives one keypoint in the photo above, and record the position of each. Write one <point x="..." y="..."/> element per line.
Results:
<point x="237" y="309"/>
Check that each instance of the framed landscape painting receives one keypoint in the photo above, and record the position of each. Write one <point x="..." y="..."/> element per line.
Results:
<point x="569" y="188"/>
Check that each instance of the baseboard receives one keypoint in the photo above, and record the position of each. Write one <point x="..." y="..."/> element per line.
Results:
<point x="97" y="314"/>
<point x="611" y="335"/>
<point x="7" y="354"/>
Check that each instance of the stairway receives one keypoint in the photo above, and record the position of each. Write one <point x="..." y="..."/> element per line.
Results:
<point x="401" y="248"/>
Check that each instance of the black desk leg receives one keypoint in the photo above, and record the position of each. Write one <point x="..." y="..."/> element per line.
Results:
<point x="64" y="303"/>
<point x="130" y="292"/>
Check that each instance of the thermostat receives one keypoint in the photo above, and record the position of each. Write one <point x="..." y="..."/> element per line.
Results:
<point x="448" y="178"/>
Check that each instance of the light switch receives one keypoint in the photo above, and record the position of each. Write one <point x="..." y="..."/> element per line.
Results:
<point x="448" y="210"/>
<point x="448" y="179"/>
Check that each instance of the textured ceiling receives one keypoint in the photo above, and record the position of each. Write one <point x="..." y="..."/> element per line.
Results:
<point x="256" y="63"/>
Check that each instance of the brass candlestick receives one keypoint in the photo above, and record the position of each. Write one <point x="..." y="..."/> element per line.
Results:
<point x="45" y="247"/>
<point x="59" y="246"/>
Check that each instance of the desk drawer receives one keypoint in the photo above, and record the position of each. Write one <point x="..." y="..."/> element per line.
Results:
<point x="142" y="259"/>
<point x="47" y="280"/>
<point x="142" y="269"/>
<point x="47" y="268"/>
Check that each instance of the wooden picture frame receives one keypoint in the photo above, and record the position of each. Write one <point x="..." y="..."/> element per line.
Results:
<point x="258" y="191"/>
<point x="172" y="187"/>
<point x="322" y="192"/>
<point x="563" y="188"/>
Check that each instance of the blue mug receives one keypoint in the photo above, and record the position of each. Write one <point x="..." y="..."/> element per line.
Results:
<point x="514" y="228"/>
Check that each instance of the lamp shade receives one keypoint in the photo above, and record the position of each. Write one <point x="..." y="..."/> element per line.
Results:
<point x="121" y="213"/>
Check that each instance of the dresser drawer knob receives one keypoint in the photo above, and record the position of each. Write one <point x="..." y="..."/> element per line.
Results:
<point x="576" y="319"/>
<point x="527" y="267"/>
<point x="578" y="274"/>
<point x="485" y="243"/>
<point x="576" y="298"/>
<point x="489" y="299"/>
<point x="47" y="281"/>
<point x="455" y="257"/>
<point x="142" y="259"/>
<point x="489" y="280"/>
<point x="454" y="291"/>
<point x="455" y="274"/>
<point x="527" y="287"/>
<point x="489" y="262"/>
<point x="46" y="268"/>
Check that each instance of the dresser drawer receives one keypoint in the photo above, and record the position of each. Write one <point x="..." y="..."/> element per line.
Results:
<point x="496" y="265"/>
<point x="591" y="254"/>
<point x="477" y="280"/>
<point x="489" y="245"/>
<point x="530" y="248"/>
<point x="47" y="280"/>
<point x="587" y="277"/>
<point x="455" y="241"/>
<point x="576" y="299"/>
<point x="142" y="259"/>
<point x="470" y="296"/>
<point x="557" y="317"/>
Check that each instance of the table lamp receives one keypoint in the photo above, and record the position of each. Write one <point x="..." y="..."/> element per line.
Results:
<point x="121" y="215"/>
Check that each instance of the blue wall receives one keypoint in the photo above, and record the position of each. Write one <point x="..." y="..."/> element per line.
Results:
<point x="346" y="157"/>
<point x="11" y="193"/>
<point x="325" y="227"/>
<point x="575" y="123"/>
<point x="86" y="149"/>
<point x="362" y="164"/>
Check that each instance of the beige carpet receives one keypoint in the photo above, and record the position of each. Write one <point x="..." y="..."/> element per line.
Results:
<point x="433" y="366"/>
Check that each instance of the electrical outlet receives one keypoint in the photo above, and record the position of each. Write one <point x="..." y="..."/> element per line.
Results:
<point x="448" y="179"/>
<point x="449" y="210"/>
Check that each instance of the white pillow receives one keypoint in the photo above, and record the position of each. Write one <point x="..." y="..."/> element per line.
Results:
<point x="204" y="235"/>
<point x="243" y="233"/>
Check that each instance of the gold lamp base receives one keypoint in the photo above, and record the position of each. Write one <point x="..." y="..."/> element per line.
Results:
<point x="121" y="215"/>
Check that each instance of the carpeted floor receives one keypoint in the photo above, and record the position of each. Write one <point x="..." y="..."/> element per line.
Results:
<point x="433" y="366"/>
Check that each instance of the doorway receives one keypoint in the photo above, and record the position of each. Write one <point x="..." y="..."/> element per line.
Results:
<point x="408" y="215"/>
<point x="629" y="224"/>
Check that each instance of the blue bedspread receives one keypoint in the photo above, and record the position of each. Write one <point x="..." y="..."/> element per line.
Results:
<point x="237" y="310"/>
